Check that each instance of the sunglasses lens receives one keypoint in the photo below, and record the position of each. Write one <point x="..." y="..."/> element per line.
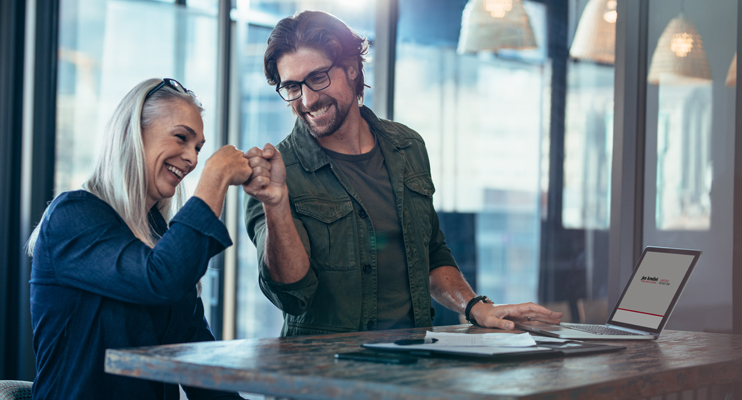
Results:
<point x="177" y="86"/>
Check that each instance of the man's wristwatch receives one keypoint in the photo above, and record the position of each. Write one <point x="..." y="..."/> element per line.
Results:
<point x="472" y="302"/>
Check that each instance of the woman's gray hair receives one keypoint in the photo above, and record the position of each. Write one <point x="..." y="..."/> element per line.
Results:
<point x="120" y="174"/>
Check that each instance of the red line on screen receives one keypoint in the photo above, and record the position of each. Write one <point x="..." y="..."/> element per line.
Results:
<point x="623" y="309"/>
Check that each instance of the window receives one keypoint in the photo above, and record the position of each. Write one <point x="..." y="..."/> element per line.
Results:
<point x="482" y="119"/>
<point x="688" y="181"/>
<point x="588" y="145"/>
<point x="492" y="125"/>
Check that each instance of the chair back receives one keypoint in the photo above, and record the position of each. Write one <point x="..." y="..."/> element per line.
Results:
<point x="15" y="390"/>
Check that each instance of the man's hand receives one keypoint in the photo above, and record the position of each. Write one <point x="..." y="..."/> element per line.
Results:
<point x="285" y="257"/>
<point x="268" y="181"/>
<point x="499" y="316"/>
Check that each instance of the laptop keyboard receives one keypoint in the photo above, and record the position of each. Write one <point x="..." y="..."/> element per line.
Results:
<point x="597" y="329"/>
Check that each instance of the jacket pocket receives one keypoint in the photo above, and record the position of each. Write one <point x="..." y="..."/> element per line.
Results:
<point x="420" y="204"/>
<point x="421" y="183"/>
<point x="329" y="225"/>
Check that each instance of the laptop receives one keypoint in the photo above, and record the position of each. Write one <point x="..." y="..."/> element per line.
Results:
<point x="645" y="305"/>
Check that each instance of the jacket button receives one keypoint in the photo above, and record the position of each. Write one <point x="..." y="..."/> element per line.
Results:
<point x="362" y="213"/>
<point x="370" y="325"/>
<point x="366" y="269"/>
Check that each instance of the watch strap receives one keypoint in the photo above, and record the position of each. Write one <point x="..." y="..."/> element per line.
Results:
<point x="470" y="305"/>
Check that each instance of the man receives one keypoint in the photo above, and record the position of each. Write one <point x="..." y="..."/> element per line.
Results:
<point x="341" y="210"/>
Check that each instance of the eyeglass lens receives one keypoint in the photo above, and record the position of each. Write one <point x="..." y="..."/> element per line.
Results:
<point x="316" y="82"/>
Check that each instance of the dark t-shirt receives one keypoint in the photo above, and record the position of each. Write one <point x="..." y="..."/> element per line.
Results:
<point x="370" y="178"/>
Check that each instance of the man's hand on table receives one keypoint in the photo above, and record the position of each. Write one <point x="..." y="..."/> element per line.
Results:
<point x="501" y="316"/>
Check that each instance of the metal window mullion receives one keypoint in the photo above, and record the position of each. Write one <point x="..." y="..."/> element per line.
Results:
<point x="385" y="50"/>
<point x="552" y="228"/>
<point x="39" y="139"/>
<point x="737" y="208"/>
<point x="12" y="25"/>
<point x="629" y="126"/>
<point x="223" y="314"/>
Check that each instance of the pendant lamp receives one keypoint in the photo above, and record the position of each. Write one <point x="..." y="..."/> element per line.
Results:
<point x="679" y="57"/>
<point x="492" y="25"/>
<point x="732" y="75"/>
<point x="595" y="37"/>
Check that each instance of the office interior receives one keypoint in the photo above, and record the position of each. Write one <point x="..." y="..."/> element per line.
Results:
<point x="556" y="160"/>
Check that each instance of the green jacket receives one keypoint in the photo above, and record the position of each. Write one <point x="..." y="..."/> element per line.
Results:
<point x="338" y="293"/>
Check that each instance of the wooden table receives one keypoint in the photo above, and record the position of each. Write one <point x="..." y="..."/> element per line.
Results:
<point x="304" y="368"/>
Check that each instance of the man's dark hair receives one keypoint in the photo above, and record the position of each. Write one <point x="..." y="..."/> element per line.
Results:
<point x="320" y="31"/>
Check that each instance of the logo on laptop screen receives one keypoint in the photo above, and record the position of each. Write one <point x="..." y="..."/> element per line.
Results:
<point x="655" y="280"/>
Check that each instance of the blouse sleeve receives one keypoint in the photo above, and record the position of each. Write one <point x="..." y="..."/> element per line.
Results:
<point x="86" y="245"/>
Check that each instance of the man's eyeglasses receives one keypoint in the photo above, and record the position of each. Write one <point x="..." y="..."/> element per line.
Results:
<point x="317" y="81"/>
<point x="178" y="88"/>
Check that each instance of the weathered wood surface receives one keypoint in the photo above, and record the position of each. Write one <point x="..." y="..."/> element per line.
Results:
<point x="305" y="368"/>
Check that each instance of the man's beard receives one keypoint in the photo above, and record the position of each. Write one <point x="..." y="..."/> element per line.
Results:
<point x="332" y="125"/>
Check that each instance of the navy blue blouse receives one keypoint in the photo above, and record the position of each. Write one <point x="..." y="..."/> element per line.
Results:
<point x="95" y="286"/>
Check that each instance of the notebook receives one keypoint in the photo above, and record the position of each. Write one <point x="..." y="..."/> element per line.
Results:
<point x="494" y="353"/>
<point x="645" y="305"/>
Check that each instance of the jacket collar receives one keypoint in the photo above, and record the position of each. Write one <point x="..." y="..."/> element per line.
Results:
<point x="310" y="153"/>
<point x="385" y="129"/>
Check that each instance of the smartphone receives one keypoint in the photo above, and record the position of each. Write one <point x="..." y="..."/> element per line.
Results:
<point x="372" y="356"/>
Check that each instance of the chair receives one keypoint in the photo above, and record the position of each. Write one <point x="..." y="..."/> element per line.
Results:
<point x="593" y="311"/>
<point x="562" y="307"/>
<point x="15" y="390"/>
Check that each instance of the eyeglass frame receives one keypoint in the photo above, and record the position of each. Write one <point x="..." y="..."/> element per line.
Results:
<point x="177" y="86"/>
<point x="304" y="83"/>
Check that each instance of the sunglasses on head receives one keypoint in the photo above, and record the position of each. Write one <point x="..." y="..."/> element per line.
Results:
<point x="175" y="85"/>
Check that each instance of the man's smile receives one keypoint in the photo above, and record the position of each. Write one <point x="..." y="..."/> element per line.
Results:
<point x="319" y="113"/>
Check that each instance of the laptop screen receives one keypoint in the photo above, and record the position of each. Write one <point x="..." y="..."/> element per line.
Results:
<point x="654" y="288"/>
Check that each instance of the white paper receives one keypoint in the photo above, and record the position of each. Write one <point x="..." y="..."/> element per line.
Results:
<point x="482" y="339"/>
<point x="509" y="339"/>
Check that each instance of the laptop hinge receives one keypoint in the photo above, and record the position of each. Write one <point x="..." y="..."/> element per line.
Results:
<point x="633" y="330"/>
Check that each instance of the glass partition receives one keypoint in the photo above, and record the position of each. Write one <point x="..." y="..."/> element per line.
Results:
<point x="688" y="195"/>
<point x="581" y="239"/>
<point x="493" y="122"/>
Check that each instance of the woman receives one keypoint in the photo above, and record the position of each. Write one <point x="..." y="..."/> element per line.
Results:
<point x="107" y="272"/>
